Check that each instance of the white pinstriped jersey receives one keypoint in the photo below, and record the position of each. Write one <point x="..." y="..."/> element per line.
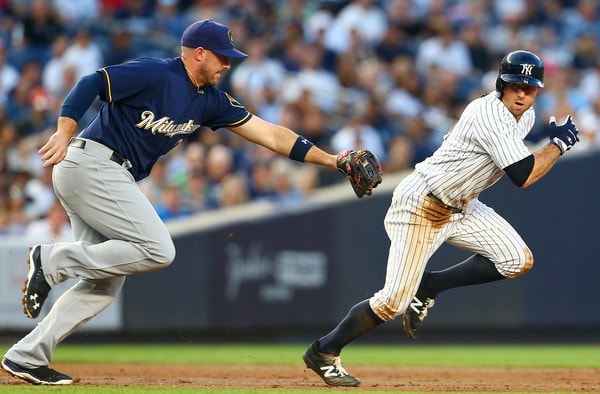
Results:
<point x="486" y="139"/>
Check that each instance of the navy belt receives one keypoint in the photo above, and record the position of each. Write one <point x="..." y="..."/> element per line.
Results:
<point x="117" y="158"/>
<point x="442" y="204"/>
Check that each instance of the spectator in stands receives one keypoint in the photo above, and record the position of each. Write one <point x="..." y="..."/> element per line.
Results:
<point x="219" y="164"/>
<point x="315" y="125"/>
<point x="40" y="26"/>
<point x="21" y="154"/>
<point x="54" y="226"/>
<point x="171" y="205"/>
<point x="9" y="76"/>
<point x="75" y="12"/>
<point x="39" y="195"/>
<point x="589" y="125"/>
<point x="400" y="154"/>
<point x="439" y="101"/>
<point x="18" y="105"/>
<point x="137" y="15"/>
<point x="261" y="180"/>
<point x="508" y="32"/>
<point x="443" y="50"/>
<point x="558" y="99"/>
<point x="15" y="203"/>
<point x="585" y="51"/>
<point x="9" y="145"/>
<point x="285" y="183"/>
<point x="268" y="105"/>
<point x="83" y="55"/>
<point x="233" y="191"/>
<point x="387" y="81"/>
<point x="581" y="19"/>
<point x="423" y="139"/>
<point x="208" y="9"/>
<point x="53" y="72"/>
<point x="394" y="43"/>
<point x="168" y="23"/>
<point x="193" y="194"/>
<point x="250" y="77"/>
<point x="365" y="19"/>
<point x="153" y="185"/>
<point x="120" y="46"/>
<point x="403" y="98"/>
<point x="313" y="82"/>
<point x="471" y="35"/>
<point x="42" y="114"/>
<point x="357" y="134"/>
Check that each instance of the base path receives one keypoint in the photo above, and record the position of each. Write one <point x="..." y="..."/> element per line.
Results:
<point x="433" y="379"/>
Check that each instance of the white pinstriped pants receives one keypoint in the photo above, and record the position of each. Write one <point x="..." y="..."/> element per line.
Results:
<point x="417" y="227"/>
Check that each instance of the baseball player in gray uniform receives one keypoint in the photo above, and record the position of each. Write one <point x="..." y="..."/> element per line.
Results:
<point x="149" y="106"/>
<point x="438" y="202"/>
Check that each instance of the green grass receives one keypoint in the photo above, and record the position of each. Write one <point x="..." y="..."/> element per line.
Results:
<point x="430" y="355"/>
<point x="543" y="356"/>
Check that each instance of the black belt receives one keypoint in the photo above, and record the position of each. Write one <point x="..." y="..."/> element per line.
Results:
<point x="442" y="204"/>
<point x="117" y="158"/>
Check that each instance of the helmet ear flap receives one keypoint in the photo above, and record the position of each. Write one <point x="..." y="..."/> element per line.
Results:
<point x="499" y="85"/>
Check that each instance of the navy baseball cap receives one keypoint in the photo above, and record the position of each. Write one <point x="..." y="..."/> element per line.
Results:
<point x="211" y="35"/>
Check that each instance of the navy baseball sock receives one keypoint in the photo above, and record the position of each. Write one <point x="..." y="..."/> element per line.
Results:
<point x="474" y="270"/>
<point x="359" y="320"/>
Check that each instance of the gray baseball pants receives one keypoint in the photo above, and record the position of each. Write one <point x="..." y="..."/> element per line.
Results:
<point x="118" y="233"/>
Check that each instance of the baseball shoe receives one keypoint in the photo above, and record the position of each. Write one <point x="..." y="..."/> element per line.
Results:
<point x="417" y="311"/>
<point x="36" y="288"/>
<point x="40" y="375"/>
<point x="328" y="367"/>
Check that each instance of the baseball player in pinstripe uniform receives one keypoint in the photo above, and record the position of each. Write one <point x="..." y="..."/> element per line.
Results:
<point x="149" y="106"/>
<point x="438" y="202"/>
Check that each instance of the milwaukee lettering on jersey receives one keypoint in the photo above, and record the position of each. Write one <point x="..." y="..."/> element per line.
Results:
<point x="142" y="92"/>
<point x="165" y="125"/>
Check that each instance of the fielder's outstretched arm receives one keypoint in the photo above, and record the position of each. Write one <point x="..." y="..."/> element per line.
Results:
<point x="282" y="140"/>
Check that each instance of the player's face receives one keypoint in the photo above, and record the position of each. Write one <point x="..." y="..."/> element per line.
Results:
<point x="212" y="67"/>
<point x="519" y="97"/>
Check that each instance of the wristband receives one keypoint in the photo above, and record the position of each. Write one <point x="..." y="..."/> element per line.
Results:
<point x="560" y="144"/>
<point x="300" y="149"/>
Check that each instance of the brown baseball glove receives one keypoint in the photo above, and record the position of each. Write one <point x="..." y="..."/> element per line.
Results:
<point x="362" y="168"/>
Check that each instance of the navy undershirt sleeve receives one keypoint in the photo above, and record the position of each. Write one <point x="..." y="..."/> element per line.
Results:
<point x="519" y="172"/>
<point x="82" y="96"/>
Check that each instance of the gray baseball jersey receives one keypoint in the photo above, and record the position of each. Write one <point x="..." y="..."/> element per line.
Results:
<point x="439" y="202"/>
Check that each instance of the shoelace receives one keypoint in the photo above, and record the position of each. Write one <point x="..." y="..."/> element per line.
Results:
<point x="337" y="361"/>
<point x="428" y="303"/>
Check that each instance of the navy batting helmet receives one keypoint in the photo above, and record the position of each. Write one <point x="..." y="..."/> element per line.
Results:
<point x="521" y="67"/>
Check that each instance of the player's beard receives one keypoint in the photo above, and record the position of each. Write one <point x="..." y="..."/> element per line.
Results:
<point x="208" y="77"/>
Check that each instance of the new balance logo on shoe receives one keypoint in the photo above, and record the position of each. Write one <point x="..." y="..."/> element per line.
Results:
<point x="416" y="305"/>
<point x="415" y="314"/>
<point x="330" y="371"/>
<point x="328" y="367"/>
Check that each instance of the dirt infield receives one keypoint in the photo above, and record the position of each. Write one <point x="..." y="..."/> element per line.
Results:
<point x="432" y="379"/>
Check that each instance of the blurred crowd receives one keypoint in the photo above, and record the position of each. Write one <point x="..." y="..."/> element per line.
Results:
<point x="391" y="76"/>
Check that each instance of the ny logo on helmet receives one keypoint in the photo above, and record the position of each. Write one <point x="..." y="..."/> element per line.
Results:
<point x="526" y="68"/>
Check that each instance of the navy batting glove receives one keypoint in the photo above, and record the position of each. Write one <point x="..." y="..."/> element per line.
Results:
<point x="564" y="136"/>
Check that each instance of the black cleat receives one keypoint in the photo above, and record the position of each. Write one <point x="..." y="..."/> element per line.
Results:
<point x="417" y="311"/>
<point x="40" y="375"/>
<point x="328" y="367"/>
<point x="36" y="288"/>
